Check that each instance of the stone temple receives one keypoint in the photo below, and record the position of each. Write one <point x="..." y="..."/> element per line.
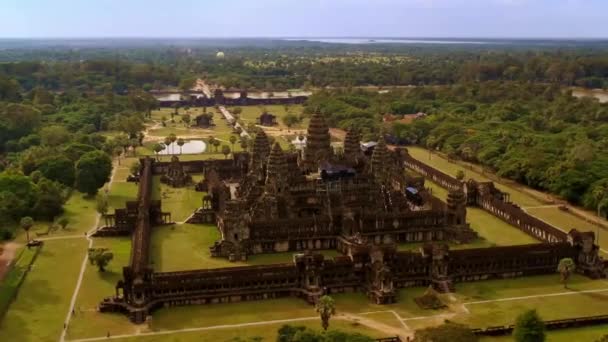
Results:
<point x="363" y="206"/>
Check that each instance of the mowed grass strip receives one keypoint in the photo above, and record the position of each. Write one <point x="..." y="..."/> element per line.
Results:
<point x="492" y="230"/>
<point x="551" y="214"/>
<point x="43" y="300"/>
<point x="186" y="247"/>
<point x="96" y="285"/>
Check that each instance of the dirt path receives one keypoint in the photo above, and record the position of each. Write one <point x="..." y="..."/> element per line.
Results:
<point x="403" y="333"/>
<point x="9" y="250"/>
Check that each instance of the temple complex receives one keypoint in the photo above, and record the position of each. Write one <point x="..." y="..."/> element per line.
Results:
<point x="363" y="206"/>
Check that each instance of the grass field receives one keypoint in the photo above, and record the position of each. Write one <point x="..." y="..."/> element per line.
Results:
<point x="550" y="214"/>
<point x="43" y="300"/>
<point x="10" y="284"/>
<point x="250" y="114"/>
<point x="221" y="130"/>
<point x="180" y="202"/>
<point x="492" y="230"/>
<point x="169" y="243"/>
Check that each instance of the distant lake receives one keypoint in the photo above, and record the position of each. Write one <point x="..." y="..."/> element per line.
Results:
<point x="190" y="147"/>
<point x="599" y="94"/>
<point x="391" y="41"/>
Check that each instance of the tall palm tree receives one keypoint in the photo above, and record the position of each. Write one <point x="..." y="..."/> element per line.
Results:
<point x="173" y="138"/>
<point x="167" y="143"/>
<point x="326" y="307"/>
<point x="232" y="141"/>
<point x="27" y="223"/>
<point x="180" y="143"/>
<point x="210" y="143"/>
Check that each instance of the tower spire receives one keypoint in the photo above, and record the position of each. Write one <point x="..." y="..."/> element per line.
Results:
<point x="318" y="146"/>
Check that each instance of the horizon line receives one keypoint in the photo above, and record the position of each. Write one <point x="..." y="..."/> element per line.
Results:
<point x="307" y="37"/>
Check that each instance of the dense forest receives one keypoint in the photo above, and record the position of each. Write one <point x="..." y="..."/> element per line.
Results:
<point x="505" y="108"/>
<point x="278" y="65"/>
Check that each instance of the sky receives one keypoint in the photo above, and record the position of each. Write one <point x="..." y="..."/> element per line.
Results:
<point x="304" y="18"/>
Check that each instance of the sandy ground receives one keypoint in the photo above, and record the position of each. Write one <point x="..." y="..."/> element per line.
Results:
<point x="7" y="257"/>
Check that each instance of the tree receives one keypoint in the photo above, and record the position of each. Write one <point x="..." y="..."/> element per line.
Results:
<point x="460" y="175"/>
<point x="167" y="143"/>
<point x="225" y="151"/>
<point x="93" y="170"/>
<point x="288" y="333"/>
<point x="529" y="328"/>
<point x="237" y="111"/>
<point x="58" y="168"/>
<point x="122" y="140"/>
<point x="232" y="141"/>
<point x="157" y="148"/>
<point x="27" y="223"/>
<point x="54" y="135"/>
<point x="217" y="144"/>
<point x="447" y="332"/>
<point x="134" y="168"/>
<point x="186" y="119"/>
<point x="63" y="222"/>
<point x="173" y="138"/>
<point x="210" y="142"/>
<point x="565" y="268"/>
<point x="100" y="257"/>
<point x="180" y="143"/>
<point x="290" y="120"/>
<point x="102" y="205"/>
<point x="326" y="307"/>
<point x="49" y="199"/>
<point x="175" y="107"/>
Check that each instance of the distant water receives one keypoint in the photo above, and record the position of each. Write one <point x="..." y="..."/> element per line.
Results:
<point x="190" y="147"/>
<point x="392" y="41"/>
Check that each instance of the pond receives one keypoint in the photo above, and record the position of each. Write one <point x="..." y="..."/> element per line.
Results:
<point x="190" y="147"/>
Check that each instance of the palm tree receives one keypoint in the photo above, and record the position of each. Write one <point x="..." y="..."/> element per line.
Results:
<point x="173" y="138"/>
<point x="210" y="142"/>
<point x="565" y="268"/>
<point x="232" y="141"/>
<point x="157" y="148"/>
<point x="225" y="151"/>
<point x="27" y="223"/>
<point x="326" y="307"/>
<point x="167" y="143"/>
<point x="180" y="143"/>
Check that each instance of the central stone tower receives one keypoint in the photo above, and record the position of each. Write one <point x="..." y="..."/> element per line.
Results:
<point x="318" y="146"/>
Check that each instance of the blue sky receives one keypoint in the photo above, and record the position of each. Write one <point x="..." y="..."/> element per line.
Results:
<point x="304" y="18"/>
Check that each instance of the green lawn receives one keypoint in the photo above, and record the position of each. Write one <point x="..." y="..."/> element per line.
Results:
<point x="10" y="284"/>
<point x="180" y="202"/>
<point x="492" y="230"/>
<point x="554" y="307"/>
<point x="553" y="215"/>
<point x="97" y="285"/>
<point x="39" y="311"/>
<point x="266" y="332"/>
<point x="221" y="130"/>
<point x="250" y="114"/>
<point x="169" y="243"/>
